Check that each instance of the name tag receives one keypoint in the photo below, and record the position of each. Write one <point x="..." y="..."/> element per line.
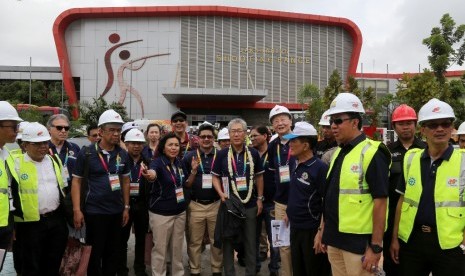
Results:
<point x="134" y="189"/>
<point x="207" y="182"/>
<point x="66" y="173"/>
<point x="241" y="183"/>
<point x="179" y="195"/>
<point x="284" y="174"/>
<point x="225" y="181"/>
<point x="114" y="182"/>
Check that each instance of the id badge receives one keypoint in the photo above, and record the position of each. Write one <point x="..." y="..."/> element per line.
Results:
<point x="207" y="182"/>
<point x="225" y="182"/>
<point x="134" y="189"/>
<point x="114" y="182"/>
<point x="179" y="195"/>
<point x="66" y="173"/>
<point x="241" y="183"/>
<point x="284" y="174"/>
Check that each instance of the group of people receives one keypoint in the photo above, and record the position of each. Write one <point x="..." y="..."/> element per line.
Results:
<point x="347" y="199"/>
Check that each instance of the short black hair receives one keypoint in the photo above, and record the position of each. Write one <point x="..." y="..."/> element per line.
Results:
<point x="162" y="143"/>
<point x="207" y="127"/>
<point x="311" y="140"/>
<point x="358" y="116"/>
<point x="262" y="129"/>
<point x="153" y="125"/>
<point x="91" y="127"/>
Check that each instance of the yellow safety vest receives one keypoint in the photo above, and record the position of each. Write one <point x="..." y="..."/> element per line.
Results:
<point x="28" y="187"/>
<point x="355" y="201"/>
<point x="448" y="197"/>
<point x="4" y="200"/>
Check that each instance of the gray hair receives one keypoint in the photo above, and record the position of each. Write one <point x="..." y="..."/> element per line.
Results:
<point x="56" y="117"/>
<point x="237" y="121"/>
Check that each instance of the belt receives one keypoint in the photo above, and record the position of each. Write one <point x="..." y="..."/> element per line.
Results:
<point x="205" y="201"/>
<point x="50" y="214"/>
<point x="426" y="228"/>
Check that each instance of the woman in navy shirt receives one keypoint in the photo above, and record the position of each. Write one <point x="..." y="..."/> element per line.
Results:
<point x="305" y="202"/>
<point x="167" y="206"/>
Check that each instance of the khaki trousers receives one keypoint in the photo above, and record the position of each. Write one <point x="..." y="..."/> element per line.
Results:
<point x="344" y="263"/>
<point x="168" y="240"/>
<point x="200" y="216"/>
<point x="284" y="251"/>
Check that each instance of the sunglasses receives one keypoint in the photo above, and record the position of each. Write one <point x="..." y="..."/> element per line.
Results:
<point x="60" y="128"/>
<point x="338" y="121"/>
<point x="447" y="124"/>
<point x="204" y="137"/>
<point x="179" y="121"/>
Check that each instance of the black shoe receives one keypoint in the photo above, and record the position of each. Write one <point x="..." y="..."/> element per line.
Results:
<point x="241" y="262"/>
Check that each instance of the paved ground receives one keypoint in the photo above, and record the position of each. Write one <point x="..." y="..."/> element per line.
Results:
<point x="8" y="269"/>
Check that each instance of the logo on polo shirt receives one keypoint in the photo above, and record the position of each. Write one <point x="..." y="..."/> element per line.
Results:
<point x="71" y="153"/>
<point x="355" y="168"/>
<point x="304" y="176"/>
<point x="452" y="182"/>
<point x="411" y="181"/>
<point x="24" y="176"/>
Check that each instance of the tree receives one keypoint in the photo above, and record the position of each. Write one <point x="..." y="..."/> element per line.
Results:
<point x="352" y="86"/>
<point x="446" y="46"/>
<point x="372" y="108"/>
<point x="90" y="112"/>
<point x="334" y="87"/>
<point x="417" y="90"/>
<point x="457" y="89"/>
<point x="310" y="94"/>
<point x="42" y="93"/>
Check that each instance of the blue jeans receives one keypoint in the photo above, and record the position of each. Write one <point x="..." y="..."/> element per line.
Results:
<point x="273" y="266"/>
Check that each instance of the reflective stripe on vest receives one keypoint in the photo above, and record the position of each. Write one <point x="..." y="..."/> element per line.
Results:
<point x="448" y="195"/>
<point x="4" y="200"/>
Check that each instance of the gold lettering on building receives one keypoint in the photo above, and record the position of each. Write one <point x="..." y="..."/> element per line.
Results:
<point x="263" y="55"/>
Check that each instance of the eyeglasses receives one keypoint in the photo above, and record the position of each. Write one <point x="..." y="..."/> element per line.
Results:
<point x="237" y="131"/>
<point x="60" y="128"/>
<point x="178" y="121"/>
<point x="434" y="125"/>
<point x="14" y="127"/>
<point x="39" y="144"/>
<point x="204" y="137"/>
<point x="253" y="136"/>
<point x="338" y="121"/>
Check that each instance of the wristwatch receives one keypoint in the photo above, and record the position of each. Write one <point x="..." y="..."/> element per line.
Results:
<point x="376" y="248"/>
<point x="127" y="207"/>
<point x="261" y="198"/>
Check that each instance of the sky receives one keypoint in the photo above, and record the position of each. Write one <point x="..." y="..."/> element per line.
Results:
<point x="392" y="30"/>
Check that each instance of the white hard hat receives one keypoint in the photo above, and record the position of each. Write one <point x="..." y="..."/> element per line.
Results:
<point x="110" y="116"/>
<point x="223" y="134"/>
<point x="134" y="135"/>
<point x="345" y="102"/>
<point x="435" y="109"/>
<point x="461" y="129"/>
<point x="128" y="126"/>
<point x="279" y="109"/>
<point x="21" y="128"/>
<point x="324" y="121"/>
<point x="35" y="132"/>
<point x="8" y="112"/>
<point x="301" y="129"/>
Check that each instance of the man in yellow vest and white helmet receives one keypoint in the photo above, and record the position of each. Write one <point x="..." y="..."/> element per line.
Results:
<point x="428" y="235"/>
<point x="9" y="198"/>
<point x="41" y="229"/>
<point x="356" y="192"/>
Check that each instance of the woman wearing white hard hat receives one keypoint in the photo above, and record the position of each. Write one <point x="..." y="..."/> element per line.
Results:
<point x="305" y="205"/>
<point x="41" y="229"/>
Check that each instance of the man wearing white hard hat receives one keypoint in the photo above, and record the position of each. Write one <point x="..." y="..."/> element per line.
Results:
<point x="105" y="207"/>
<point x="305" y="209"/>
<point x="138" y="212"/>
<point x="280" y="161"/>
<point x="223" y="138"/>
<point x="430" y="214"/>
<point x="9" y="198"/>
<point x="328" y="141"/>
<point x="355" y="201"/>
<point x="461" y="135"/>
<point x="41" y="229"/>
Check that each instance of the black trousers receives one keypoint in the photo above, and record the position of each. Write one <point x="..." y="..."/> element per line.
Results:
<point x="103" y="233"/>
<point x="389" y="266"/>
<point x="42" y="245"/>
<point x="139" y="217"/>
<point x="304" y="259"/>
<point x="422" y="255"/>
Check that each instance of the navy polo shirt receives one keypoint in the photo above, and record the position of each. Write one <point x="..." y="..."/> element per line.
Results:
<point x="305" y="204"/>
<point x="136" y="177"/>
<point x="377" y="177"/>
<point x="278" y="155"/>
<point x="191" y="142"/>
<point x="220" y="169"/>
<point x="148" y="153"/>
<point x="100" y="198"/>
<point x="207" y="161"/>
<point x="162" y="199"/>
<point x="68" y="154"/>
<point x="269" y="187"/>
<point x="426" y="214"/>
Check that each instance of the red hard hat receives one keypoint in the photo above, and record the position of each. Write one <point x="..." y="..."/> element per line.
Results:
<point x="404" y="113"/>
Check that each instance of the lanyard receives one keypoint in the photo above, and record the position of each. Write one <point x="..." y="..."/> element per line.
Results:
<point x="278" y="154"/>
<point x="140" y="173"/>
<point x="201" y="163"/>
<point x="66" y="156"/>
<point x="265" y="159"/>
<point x="187" y="147"/>
<point x="104" y="164"/>
<point x="173" y="177"/>
<point x="234" y="162"/>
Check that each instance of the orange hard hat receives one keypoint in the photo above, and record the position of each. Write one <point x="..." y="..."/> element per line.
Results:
<point x="404" y="113"/>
